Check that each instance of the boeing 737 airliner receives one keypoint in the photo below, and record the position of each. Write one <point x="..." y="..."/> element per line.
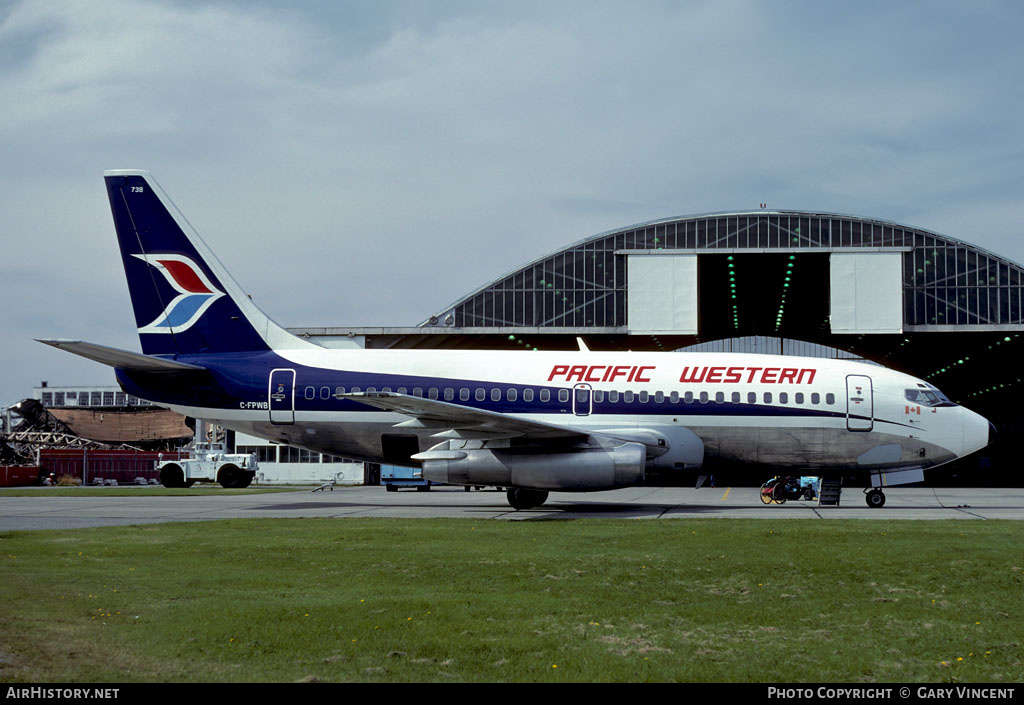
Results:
<point x="531" y="422"/>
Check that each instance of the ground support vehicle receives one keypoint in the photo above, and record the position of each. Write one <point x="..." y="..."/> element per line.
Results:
<point x="779" y="490"/>
<point x="394" y="477"/>
<point x="208" y="462"/>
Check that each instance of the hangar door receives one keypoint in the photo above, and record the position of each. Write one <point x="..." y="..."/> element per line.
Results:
<point x="662" y="294"/>
<point x="866" y="292"/>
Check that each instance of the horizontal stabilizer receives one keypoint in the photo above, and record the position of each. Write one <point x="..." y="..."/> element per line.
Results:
<point x="121" y="359"/>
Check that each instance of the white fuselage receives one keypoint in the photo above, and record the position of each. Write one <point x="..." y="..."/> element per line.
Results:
<point x="784" y="412"/>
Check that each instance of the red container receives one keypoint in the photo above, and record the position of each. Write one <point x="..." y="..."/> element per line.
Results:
<point x="88" y="465"/>
<point x="18" y="475"/>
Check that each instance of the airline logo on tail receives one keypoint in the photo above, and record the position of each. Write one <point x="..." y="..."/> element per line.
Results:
<point x="196" y="293"/>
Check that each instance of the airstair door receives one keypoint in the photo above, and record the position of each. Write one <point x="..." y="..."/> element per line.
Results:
<point x="281" y="396"/>
<point x="860" y="403"/>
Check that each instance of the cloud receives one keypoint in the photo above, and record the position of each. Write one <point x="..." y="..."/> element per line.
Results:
<point x="368" y="163"/>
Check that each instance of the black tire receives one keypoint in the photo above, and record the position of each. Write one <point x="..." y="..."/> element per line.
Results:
<point x="391" y="488"/>
<point x="779" y="493"/>
<point x="172" y="476"/>
<point x="521" y="498"/>
<point x="233" y="477"/>
<point x="875" y="499"/>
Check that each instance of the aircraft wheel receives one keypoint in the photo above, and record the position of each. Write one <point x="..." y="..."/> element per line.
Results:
<point x="172" y="476"/>
<point x="521" y="498"/>
<point x="875" y="499"/>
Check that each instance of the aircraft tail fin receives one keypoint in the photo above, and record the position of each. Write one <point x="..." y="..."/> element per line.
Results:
<point x="185" y="301"/>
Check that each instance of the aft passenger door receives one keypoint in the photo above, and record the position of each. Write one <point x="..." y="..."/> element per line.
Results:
<point x="281" y="396"/>
<point x="860" y="403"/>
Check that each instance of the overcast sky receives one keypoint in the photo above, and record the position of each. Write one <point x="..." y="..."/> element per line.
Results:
<point x="368" y="163"/>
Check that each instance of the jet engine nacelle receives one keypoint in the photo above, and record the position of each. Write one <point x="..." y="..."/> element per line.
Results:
<point x="587" y="469"/>
<point x="668" y="447"/>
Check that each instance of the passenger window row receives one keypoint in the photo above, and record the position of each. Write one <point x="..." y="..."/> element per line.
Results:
<point x="599" y="396"/>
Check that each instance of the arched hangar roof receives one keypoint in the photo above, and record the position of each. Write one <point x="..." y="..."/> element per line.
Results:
<point x="946" y="284"/>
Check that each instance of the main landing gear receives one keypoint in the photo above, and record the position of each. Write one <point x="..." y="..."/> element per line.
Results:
<point x="521" y="498"/>
<point x="875" y="498"/>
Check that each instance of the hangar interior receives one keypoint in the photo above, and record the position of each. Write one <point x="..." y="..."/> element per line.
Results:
<point x="919" y="302"/>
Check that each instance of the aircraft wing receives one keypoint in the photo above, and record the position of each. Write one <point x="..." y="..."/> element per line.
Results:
<point x="454" y="421"/>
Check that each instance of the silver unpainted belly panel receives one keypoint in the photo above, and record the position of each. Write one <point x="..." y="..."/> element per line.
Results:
<point x="794" y="447"/>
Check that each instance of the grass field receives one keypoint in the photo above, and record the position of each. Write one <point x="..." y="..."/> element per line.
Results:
<point x="595" y="600"/>
<point x="199" y="490"/>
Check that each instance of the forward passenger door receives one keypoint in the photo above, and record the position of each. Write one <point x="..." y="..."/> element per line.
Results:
<point x="860" y="403"/>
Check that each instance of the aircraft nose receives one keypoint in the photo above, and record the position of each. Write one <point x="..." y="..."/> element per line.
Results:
<point x="978" y="431"/>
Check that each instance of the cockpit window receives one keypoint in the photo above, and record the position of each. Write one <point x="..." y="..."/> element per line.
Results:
<point x="921" y="396"/>
<point x="927" y="397"/>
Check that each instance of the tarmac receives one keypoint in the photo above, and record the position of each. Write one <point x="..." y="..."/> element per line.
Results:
<point x="50" y="511"/>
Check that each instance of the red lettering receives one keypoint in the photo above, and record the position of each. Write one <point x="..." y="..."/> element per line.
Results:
<point x="577" y="371"/>
<point x="735" y="375"/>
<point x="632" y="373"/>
<point x="557" y="370"/>
<point x="800" y="377"/>
<point x="619" y="371"/>
<point x="640" y="374"/>
<point x="591" y="370"/>
<point x="693" y="376"/>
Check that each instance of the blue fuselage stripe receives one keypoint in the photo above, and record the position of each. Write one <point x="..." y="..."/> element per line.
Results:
<point x="240" y="381"/>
